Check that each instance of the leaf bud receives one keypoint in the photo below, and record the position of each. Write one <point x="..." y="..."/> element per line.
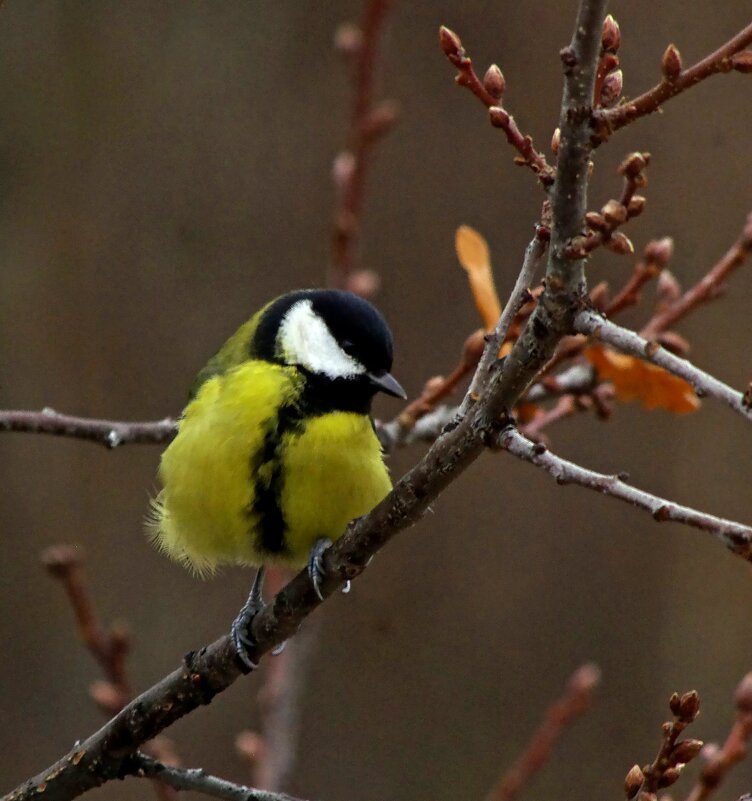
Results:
<point x="620" y="243"/>
<point x="671" y="63"/>
<point x="633" y="781"/>
<point x="675" y="343"/>
<point x="743" y="695"/>
<point x="348" y="39"/>
<point x="634" y="164"/>
<point x="611" y="88"/>
<point x="742" y="62"/>
<point x="596" y="221"/>
<point x="610" y="35"/>
<point x="614" y="212"/>
<point x="499" y="117"/>
<point x="381" y="119"/>
<point x="343" y="169"/>
<point x="690" y="706"/>
<point x="494" y="82"/>
<point x="674" y="702"/>
<point x="669" y="777"/>
<point x="660" y="252"/>
<point x="669" y="290"/>
<point x="636" y="206"/>
<point x="364" y="283"/>
<point x="685" y="751"/>
<point x="450" y="43"/>
<point x="556" y="141"/>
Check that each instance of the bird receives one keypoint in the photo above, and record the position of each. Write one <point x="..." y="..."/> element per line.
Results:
<point x="276" y="450"/>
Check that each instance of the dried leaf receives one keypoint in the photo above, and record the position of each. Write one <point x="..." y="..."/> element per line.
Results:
<point x="474" y="256"/>
<point x="634" y="379"/>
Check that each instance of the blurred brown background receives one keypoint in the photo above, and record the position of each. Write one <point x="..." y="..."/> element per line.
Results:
<point x="164" y="169"/>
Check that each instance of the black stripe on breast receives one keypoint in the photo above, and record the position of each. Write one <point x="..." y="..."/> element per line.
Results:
<point x="267" y="478"/>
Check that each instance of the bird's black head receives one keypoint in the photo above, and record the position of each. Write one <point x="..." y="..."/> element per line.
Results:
<point x="340" y="341"/>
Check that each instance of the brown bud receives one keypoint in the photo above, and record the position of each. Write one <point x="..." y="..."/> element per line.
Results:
<point x="586" y="678"/>
<point x="669" y="777"/>
<point x="743" y="694"/>
<point x="348" y="39"/>
<point x="450" y="43"/>
<point x="742" y="62"/>
<point x="611" y="88"/>
<point x="674" y="703"/>
<point x="614" y="212"/>
<point x="634" y="164"/>
<point x="498" y="116"/>
<point x="250" y="745"/>
<point x="556" y="141"/>
<point x="636" y="206"/>
<point x="364" y="283"/>
<point x="107" y="696"/>
<point x="685" y="751"/>
<point x="676" y="344"/>
<point x="343" y="169"/>
<point x="690" y="706"/>
<point x="596" y="221"/>
<point x="473" y="348"/>
<point x="577" y="247"/>
<point x="58" y="559"/>
<point x="668" y="287"/>
<point x="620" y="243"/>
<point x="381" y="119"/>
<point x="671" y="63"/>
<point x="610" y="35"/>
<point x="494" y="82"/>
<point x="659" y="251"/>
<point x="599" y="295"/>
<point x="633" y="781"/>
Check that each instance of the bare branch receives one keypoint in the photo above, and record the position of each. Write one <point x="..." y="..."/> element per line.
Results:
<point x="109" y="433"/>
<point x="576" y="699"/>
<point x="197" y="780"/>
<point x="675" y="80"/>
<point x="735" y="536"/>
<point x="622" y="339"/>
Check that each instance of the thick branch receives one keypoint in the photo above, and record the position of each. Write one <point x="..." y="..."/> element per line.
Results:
<point x="735" y="536"/>
<point x="622" y="339"/>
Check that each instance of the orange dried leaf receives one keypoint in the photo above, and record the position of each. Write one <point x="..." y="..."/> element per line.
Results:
<point x="527" y="412"/>
<point x="634" y="379"/>
<point x="474" y="256"/>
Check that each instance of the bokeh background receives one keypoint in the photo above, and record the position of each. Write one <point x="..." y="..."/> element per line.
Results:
<point x="165" y="169"/>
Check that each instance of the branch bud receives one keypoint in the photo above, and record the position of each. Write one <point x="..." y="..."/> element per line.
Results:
<point x="659" y="252"/>
<point x="577" y="247"/>
<point x="685" y="751"/>
<point x="633" y="781"/>
<point x="596" y="221"/>
<point x="614" y="212"/>
<point x="675" y="343"/>
<point x="556" y="141"/>
<point x="59" y="559"/>
<point x="450" y="43"/>
<point x="343" y="168"/>
<point x="499" y="117"/>
<point x="669" y="777"/>
<point x="742" y="62"/>
<point x="348" y="39"/>
<point x="743" y="695"/>
<point x="671" y="63"/>
<point x="620" y="243"/>
<point x="668" y="291"/>
<point x="674" y="702"/>
<point x="611" y="88"/>
<point x="610" y="35"/>
<point x="494" y="82"/>
<point x="364" y="283"/>
<point x="690" y="706"/>
<point x="634" y="164"/>
<point x="381" y="119"/>
<point x="636" y="206"/>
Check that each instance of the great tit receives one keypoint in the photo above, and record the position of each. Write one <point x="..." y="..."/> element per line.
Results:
<point x="276" y="450"/>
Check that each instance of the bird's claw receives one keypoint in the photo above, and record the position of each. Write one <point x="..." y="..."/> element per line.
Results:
<point x="316" y="570"/>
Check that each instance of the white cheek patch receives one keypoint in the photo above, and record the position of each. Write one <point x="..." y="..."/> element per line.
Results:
<point x="305" y="339"/>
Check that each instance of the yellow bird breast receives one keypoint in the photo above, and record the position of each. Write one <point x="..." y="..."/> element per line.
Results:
<point x="250" y="478"/>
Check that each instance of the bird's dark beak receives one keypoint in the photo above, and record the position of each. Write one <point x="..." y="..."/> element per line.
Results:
<point x="386" y="382"/>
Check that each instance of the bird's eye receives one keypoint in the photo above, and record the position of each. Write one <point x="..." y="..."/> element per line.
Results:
<point x="347" y="346"/>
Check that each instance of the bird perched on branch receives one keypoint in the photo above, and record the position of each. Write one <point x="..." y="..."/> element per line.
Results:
<point x="276" y="451"/>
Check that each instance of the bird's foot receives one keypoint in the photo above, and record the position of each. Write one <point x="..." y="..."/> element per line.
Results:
<point x="240" y="632"/>
<point x="316" y="570"/>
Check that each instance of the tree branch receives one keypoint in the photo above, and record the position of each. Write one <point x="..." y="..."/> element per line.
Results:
<point x="675" y="81"/>
<point x="735" y="536"/>
<point x="197" y="780"/>
<point x="622" y="339"/>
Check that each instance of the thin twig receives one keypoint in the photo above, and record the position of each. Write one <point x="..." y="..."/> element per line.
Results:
<point x="607" y="121"/>
<point x="109" y="433"/>
<point x="576" y="699"/>
<point x="719" y="761"/>
<point x="197" y="780"/>
<point x="627" y="341"/>
<point x="735" y="536"/>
